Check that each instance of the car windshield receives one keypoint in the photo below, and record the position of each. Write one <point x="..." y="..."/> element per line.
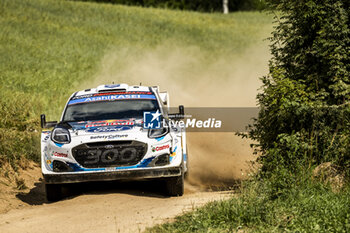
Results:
<point x="109" y="110"/>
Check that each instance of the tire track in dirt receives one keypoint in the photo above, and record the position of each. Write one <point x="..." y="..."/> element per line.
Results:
<point x="105" y="207"/>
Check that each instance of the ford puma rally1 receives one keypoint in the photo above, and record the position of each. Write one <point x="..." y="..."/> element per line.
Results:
<point x="114" y="132"/>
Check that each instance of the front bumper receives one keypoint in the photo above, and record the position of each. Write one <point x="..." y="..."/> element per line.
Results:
<point x="112" y="175"/>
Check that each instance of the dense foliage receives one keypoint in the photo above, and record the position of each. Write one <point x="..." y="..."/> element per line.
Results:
<point x="304" y="118"/>
<point x="196" y="5"/>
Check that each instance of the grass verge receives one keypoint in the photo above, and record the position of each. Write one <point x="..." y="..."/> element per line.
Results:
<point x="306" y="207"/>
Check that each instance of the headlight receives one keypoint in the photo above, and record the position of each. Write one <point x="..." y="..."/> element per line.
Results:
<point x="60" y="135"/>
<point x="157" y="133"/>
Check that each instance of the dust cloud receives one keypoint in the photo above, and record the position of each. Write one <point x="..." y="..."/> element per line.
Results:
<point x="194" y="78"/>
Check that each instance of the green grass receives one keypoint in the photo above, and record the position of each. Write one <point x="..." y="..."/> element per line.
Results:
<point x="308" y="207"/>
<point x="49" y="48"/>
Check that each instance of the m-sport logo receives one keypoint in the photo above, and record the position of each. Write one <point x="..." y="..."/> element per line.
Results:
<point x="152" y="120"/>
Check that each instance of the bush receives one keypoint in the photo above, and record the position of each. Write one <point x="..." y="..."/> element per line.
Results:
<point x="304" y="118"/>
<point x="19" y="128"/>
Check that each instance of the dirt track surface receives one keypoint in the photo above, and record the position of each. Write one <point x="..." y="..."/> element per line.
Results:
<point x="102" y="207"/>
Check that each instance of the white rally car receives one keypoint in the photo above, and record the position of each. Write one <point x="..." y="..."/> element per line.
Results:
<point x="114" y="132"/>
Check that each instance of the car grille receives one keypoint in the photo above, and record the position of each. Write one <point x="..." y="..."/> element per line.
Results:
<point x="109" y="154"/>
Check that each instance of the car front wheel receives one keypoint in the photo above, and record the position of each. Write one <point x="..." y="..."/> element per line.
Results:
<point x="175" y="185"/>
<point x="53" y="192"/>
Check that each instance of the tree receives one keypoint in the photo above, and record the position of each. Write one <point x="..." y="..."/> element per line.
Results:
<point x="304" y="117"/>
<point x="225" y="6"/>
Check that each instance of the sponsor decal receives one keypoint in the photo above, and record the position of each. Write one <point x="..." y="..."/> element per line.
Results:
<point x="160" y="148"/>
<point x="107" y="129"/>
<point x="124" y="93"/>
<point x="172" y="155"/>
<point x="57" y="154"/>
<point x="47" y="160"/>
<point x="109" y="123"/>
<point x="113" y="93"/>
<point x="151" y="120"/>
<point x="104" y="126"/>
<point x="110" y="169"/>
<point x="111" y="98"/>
<point x="109" y="136"/>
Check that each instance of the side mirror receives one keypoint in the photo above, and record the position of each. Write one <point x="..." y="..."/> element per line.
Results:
<point x="182" y="111"/>
<point x="46" y="124"/>
<point x="180" y="115"/>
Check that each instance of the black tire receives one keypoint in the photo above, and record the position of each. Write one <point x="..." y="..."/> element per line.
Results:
<point x="175" y="185"/>
<point x="53" y="192"/>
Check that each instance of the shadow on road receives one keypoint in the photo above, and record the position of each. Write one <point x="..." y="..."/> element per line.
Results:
<point x="36" y="195"/>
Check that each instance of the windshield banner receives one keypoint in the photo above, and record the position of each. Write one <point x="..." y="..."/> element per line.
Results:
<point x="111" y="98"/>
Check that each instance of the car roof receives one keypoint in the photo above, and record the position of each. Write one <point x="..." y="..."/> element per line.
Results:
<point x="112" y="88"/>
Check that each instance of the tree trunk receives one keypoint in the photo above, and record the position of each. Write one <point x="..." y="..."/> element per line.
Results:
<point x="225" y="6"/>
